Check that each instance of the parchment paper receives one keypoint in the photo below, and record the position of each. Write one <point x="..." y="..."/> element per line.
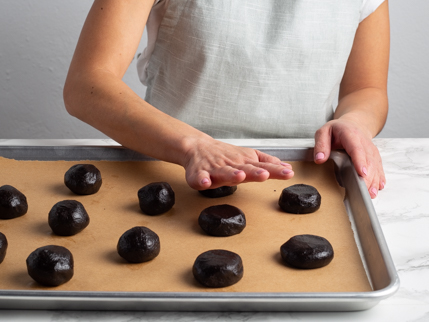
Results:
<point x="114" y="209"/>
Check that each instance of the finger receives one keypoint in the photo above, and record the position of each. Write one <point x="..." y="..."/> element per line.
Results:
<point x="372" y="181"/>
<point x="373" y="187"/>
<point x="253" y="173"/>
<point x="373" y="192"/>
<point x="277" y="168"/>
<point x="378" y="183"/>
<point x="264" y="157"/>
<point x="226" y="176"/>
<point x="322" y="144"/>
<point x="382" y="182"/>
<point x="379" y="180"/>
<point x="199" y="180"/>
<point x="358" y="154"/>
<point x="216" y="178"/>
<point x="281" y="171"/>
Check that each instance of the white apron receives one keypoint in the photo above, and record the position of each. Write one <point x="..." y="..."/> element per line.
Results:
<point x="252" y="69"/>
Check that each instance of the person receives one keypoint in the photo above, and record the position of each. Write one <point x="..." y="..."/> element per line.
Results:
<point x="236" y="69"/>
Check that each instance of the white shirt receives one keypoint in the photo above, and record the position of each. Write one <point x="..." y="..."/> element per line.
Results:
<point x="157" y="14"/>
<point x="237" y="69"/>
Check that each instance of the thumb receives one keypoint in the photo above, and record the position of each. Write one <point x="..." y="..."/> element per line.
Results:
<point x="322" y="144"/>
<point x="199" y="181"/>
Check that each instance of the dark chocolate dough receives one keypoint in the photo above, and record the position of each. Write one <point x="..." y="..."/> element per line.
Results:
<point x="83" y="179"/>
<point x="307" y="251"/>
<point x="218" y="268"/>
<point x="300" y="199"/>
<point x="68" y="217"/>
<point x="156" y="198"/>
<point x="138" y="245"/>
<point x="3" y="247"/>
<point x="13" y="203"/>
<point x="222" y="220"/>
<point x="219" y="192"/>
<point x="50" y="265"/>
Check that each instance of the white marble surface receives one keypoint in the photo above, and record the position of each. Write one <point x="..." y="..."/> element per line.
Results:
<point x="403" y="212"/>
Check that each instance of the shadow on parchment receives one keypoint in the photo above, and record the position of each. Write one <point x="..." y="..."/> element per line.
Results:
<point x="60" y="189"/>
<point x="22" y="279"/>
<point x="189" y="279"/>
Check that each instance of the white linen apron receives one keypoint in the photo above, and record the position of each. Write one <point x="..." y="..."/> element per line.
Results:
<point x="251" y="69"/>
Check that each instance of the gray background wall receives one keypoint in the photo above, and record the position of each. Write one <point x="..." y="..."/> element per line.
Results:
<point x="37" y="40"/>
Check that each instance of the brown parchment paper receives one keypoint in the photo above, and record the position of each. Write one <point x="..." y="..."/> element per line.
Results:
<point x="114" y="209"/>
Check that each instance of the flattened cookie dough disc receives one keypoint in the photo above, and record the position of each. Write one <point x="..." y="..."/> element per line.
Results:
<point x="68" y="217"/>
<point x="218" y="268"/>
<point x="138" y="245"/>
<point x="219" y="192"/>
<point x="13" y="202"/>
<point x="51" y="265"/>
<point x="156" y="198"/>
<point x="3" y="247"/>
<point x="83" y="179"/>
<point x="222" y="220"/>
<point x="300" y="199"/>
<point x="307" y="251"/>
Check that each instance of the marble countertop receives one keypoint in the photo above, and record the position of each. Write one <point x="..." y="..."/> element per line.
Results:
<point x="402" y="209"/>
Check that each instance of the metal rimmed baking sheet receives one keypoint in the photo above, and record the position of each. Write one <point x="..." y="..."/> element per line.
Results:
<point x="374" y="254"/>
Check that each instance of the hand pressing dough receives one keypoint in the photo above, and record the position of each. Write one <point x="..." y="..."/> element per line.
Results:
<point x="156" y="198"/>
<point x="218" y="268"/>
<point x="219" y="192"/>
<point x="138" y="245"/>
<point x="68" y="217"/>
<point x="307" y="251"/>
<point x="3" y="247"/>
<point x="222" y="220"/>
<point x="51" y="265"/>
<point x="83" y="179"/>
<point x="300" y="199"/>
<point x="13" y="202"/>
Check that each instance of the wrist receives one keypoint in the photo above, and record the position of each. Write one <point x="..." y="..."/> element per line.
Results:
<point x="190" y="145"/>
<point x="362" y="126"/>
<point x="366" y="108"/>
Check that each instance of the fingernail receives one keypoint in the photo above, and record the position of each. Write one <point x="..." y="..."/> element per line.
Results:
<point x="374" y="191"/>
<point x="365" y="171"/>
<point x="261" y="171"/>
<point x="286" y="171"/>
<point x="204" y="181"/>
<point x="237" y="172"/>
<point x="320" y="156"/>
<point x="382" y="184"/>
<point x="285" y="164"/>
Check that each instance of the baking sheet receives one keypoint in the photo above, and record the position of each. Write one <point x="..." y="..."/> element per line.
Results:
<point x="114" y="209"/>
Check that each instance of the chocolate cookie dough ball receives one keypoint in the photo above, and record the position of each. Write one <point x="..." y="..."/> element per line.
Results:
<point x="222" y="220"/>
<point x="13" y="203"/>
<point x="3" y="247"/>
<point x="307" y="251"/>
<point x="138" y="245"/>
<point x="300" y="199"/>
<point x="83" y="179"/>
<point x="68" y="217"/>
<point x="51" y="265"/>
<point x="218" y="268"/>
<point x="219" y="192"/>
<point x="156" y="198"/>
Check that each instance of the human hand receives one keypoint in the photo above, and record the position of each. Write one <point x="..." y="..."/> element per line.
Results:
<point x="347" y="135"/>
<point x="210" y="164"/>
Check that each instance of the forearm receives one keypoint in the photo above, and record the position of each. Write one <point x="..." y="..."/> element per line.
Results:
<point x="102" y="100"/>
<point x="95" y="93"/>
<point x="366" y="107"/>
